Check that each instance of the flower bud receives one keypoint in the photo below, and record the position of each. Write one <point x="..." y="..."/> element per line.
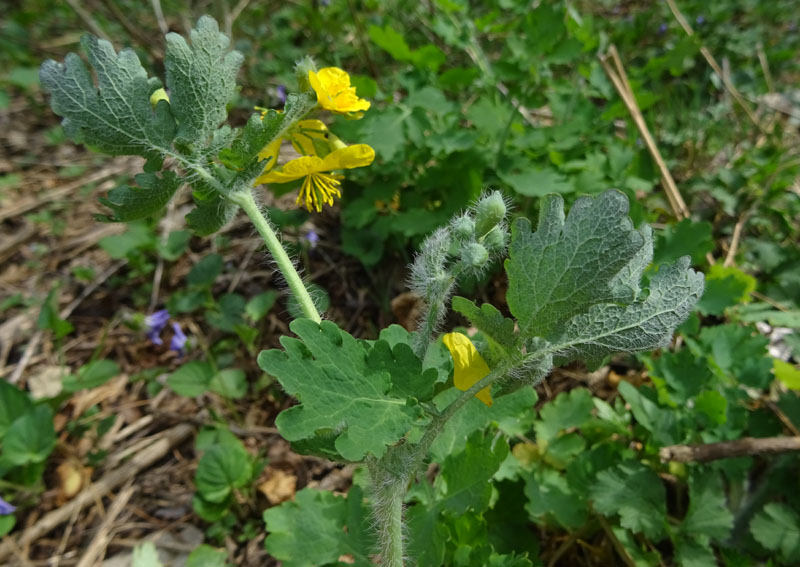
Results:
<point x="489" y="211"/>
<point x="463" y="227"/>
<point x="474" y="255"/>
<point x="157" y="95"/>
<point x="496" y="240"/>
<point x="301" y="70"/>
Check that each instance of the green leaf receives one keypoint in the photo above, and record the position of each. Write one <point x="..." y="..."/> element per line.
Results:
<point x="201" y="80"/>
<point x="635" y="493"/>
<point x="550" y="496"/>
<point x="257" y="307"/>
<point x="145" y="555"/>
<point x="660" y="422"/>
<point x="318" y="527"/>
<point x="569" y="409"/>
<point x="327" y="371"/>
<point x="138" y="236"/>
<point x="192" y="379"/>
<point x="739" y="352"/>
<point x="464" y="481"/>
<point x="708" y="513"/>
<point x="536" y="182"/>
<point x="229" y="383"/>
<point x="7" y="524"/>
<point x="92" y="375"/>
<point x="260" y="132"/>
<point x="212" y="211"/>
<point x="116" y="116"/>
<point x="133" y="203"/>
<point x="207" y="556"/>
<point x="14" y="403"/>
<point x="30" y="438"/>
<point x="726" y="286"/>
<point x="175" y="246"/>
<point x="777" y="528"/>
<point x="643" y="325"/>
<point x="513" y="414"/>
<point x="408" y="378"/>
<point x="786" y="373"/>
<point x="390" y="41"/>
<point x="681" y="239"/>
<point x="49" y="318"/>
<point x="685" y="374"/>
<point x="570" y="281"/>
<point x="229" y="313"/>
<point x="222" y="469"/>
<point x="714" y="405"/>
<point x="693" y="553"/>
<point x="205" y="271"/>
<point x="488" y="320"/>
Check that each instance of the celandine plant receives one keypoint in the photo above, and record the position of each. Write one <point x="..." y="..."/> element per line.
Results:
<point x="395" y="403"/>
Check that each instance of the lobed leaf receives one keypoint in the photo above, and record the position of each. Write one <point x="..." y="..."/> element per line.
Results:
<point x="115" y="116"/>
<point x="201" y="79"/>
<point x="153" y="193"/>
<point x="341" y="396"/>
<point x="568" y="265"/>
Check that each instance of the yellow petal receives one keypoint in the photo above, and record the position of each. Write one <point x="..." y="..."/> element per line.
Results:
<point x="469" y="365"/>
<point x="357" y="155"/>
<point x="305" y="132"/>
<point x="270" y="152"/>
<point x="292" y="170"/>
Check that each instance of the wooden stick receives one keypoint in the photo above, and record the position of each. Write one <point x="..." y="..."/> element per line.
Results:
<point x="747" y="446"/>
<point x="714" y="65"/>
<point x="97" y="547"/>
<point x="620" y="80"/>
<point x="112" y="480"/>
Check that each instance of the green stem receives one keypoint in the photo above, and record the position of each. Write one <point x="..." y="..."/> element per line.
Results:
<point x="392" y="555"/>
<point x="245" y="200"/>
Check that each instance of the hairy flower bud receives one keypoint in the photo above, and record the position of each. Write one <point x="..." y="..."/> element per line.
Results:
<point x="474" y="255"/>
<point x="496" y="240"/>
<point x="463" y="227"/>
<point x="489" y="211"/>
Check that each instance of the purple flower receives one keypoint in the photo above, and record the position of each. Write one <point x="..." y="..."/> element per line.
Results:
<point x="178" y="339"/>
<point x="154" y="324"/>
<point x="312" y="238"/>
<point x="6" y="509"/>
<point x="281" y="94"/>
<point x="700" y="20"/>
<point x="325" y="3"/>
<point x="662" y="29"/>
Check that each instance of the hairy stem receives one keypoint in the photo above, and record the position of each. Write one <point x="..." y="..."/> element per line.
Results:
<point x="247" y="202"/>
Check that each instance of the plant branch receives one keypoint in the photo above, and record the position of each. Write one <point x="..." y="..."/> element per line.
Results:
<point x="245" y="200"/>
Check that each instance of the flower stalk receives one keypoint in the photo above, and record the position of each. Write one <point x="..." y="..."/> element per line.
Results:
<point x="248" y="204"/>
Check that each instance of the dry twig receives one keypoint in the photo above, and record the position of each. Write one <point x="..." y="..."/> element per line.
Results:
<point x="102" y="538"/>
<point x="620" y="80"/>
<point x="747" y="446"/>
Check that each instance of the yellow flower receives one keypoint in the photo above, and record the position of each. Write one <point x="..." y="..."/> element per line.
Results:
<point x="469" y="365"/>
<point x="319" y="185"/>
<point x="334" y="92"/>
